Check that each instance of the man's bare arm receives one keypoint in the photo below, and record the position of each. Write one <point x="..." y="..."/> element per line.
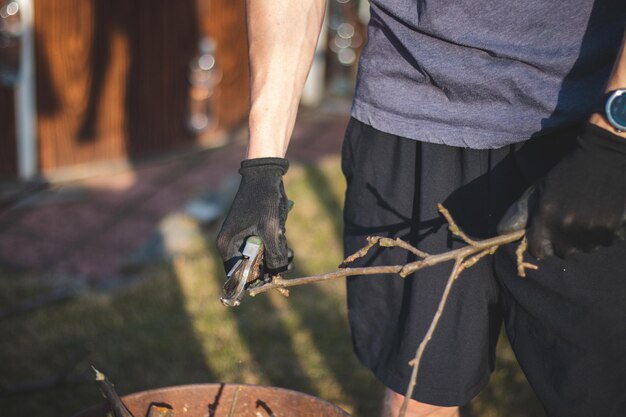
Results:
<point x="616" y="80"/>
<point x="282" y="35"/>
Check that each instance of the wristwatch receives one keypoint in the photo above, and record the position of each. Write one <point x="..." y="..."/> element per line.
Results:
<point x="615" y="109"/>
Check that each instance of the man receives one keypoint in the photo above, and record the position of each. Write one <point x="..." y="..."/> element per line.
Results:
<point x="469" y="103"/>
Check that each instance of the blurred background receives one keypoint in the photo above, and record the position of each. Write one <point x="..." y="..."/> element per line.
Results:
<point x="122" y="124"/>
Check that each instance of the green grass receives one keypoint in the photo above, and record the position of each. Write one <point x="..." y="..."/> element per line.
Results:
<point x="169" y="328"/>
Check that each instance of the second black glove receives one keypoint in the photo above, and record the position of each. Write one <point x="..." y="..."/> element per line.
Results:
<point x="581" y="203"/>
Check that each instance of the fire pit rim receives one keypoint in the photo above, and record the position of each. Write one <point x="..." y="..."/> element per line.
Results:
<point x="88" y="411"/>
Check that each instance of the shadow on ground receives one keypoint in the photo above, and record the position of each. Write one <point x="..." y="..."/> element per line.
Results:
<point x="140" y="337"/>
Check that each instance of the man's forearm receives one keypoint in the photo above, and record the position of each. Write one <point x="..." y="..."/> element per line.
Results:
<point x="616" y="80"/>
<point x="282" y="35"/>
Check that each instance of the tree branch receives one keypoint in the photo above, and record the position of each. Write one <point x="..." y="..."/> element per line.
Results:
<point x="403" y="270"/>
<point x="452" y="226"/>
<point x="463" y="258"/>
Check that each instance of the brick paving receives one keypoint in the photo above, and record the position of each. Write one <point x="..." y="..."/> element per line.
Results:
<point x="89" y="237"/>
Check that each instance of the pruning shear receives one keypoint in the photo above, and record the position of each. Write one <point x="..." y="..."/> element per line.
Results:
<point x="246" y="273"/>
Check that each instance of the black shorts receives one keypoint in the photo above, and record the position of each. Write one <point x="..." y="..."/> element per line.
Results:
<point x="566" y="321"/>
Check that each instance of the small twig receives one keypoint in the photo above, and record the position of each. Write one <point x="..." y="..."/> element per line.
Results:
<point x="521" y="265"/>
<point x="452" y="226"/>
<point x="415" y="363"/>
<point x="383" y="242"/>
<point x="387" y="242"/>
<point x="468" y="263"/>
<point x="107" y="390"/>
<point x="231" y="413"/>
<point x="371" y="241"/>
<point x="283" y="291"/>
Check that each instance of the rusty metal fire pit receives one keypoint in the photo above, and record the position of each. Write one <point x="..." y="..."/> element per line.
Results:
<point x="214" y="400"/>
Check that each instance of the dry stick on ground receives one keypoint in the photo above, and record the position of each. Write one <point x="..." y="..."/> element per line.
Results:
<point x="106" y="387"/>
<point x="463" y="258"/>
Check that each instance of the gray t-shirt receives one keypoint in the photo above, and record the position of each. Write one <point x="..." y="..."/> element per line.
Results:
<point x="485" y="73"/>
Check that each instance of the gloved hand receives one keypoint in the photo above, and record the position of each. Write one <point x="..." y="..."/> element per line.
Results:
<point x="580" y="204"/>
<point x="260" y="208"/>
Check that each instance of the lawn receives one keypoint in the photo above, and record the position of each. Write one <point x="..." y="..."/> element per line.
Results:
<point x="167" y="327"/>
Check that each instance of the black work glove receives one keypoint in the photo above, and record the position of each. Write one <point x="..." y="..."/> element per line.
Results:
<point x="580" y="204"/>
<point x="260" y="208"/>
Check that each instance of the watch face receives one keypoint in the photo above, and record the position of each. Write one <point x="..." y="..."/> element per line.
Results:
<point x="616" y="109"/>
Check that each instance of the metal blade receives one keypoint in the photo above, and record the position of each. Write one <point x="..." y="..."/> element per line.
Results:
<point x="246" y="270"/>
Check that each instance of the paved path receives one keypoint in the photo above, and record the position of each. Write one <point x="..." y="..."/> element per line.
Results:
<point x="109" y="217"/>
